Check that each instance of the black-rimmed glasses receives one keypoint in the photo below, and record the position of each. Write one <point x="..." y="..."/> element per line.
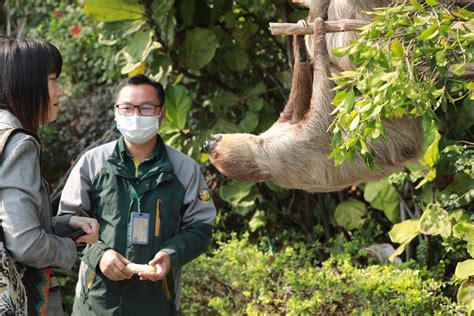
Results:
<point x="145" y="109"/>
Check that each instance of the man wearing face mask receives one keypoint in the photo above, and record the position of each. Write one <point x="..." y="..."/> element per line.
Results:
<point x="153" y="206"/>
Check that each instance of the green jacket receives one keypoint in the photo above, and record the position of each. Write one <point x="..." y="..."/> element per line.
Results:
<point x="174" y="193"/>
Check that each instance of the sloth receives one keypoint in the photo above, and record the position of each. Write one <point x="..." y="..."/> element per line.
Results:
<point x="294" y="152"/>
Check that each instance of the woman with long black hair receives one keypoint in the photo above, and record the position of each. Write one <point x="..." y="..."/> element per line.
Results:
<point x="29" y="97"/>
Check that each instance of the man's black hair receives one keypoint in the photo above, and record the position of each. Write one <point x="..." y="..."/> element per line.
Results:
<point x="142" y="79"/>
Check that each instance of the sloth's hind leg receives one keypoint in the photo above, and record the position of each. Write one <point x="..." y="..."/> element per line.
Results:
<point x="319" y="115"/>
<point x="300" y="95"/>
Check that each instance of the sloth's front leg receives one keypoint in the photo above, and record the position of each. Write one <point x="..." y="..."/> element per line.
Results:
<point x="300" y="95"/>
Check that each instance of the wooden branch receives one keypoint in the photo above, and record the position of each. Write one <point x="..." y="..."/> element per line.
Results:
<point x="307" y="3"/>
<point x="343" y="25"/>
<point x="303" y="3"/>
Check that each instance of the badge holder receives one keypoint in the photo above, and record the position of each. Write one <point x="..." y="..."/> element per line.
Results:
<point x="139" y="223"/>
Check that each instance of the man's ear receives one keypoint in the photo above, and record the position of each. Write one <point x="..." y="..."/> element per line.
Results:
<point x="163" y="114"/>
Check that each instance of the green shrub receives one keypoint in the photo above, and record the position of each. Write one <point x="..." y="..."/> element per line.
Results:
<point x="239" y="278"/>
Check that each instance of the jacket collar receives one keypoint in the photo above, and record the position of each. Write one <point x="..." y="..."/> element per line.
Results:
<point x="161" y="164"/>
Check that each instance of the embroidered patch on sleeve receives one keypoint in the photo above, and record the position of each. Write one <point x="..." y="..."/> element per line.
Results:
<point x="204" y="195"/>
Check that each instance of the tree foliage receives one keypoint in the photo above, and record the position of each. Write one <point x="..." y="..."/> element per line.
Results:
<point x="224" y="73"/>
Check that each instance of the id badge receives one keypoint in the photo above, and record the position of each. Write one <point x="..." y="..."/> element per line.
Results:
<point x="139" y="225"/>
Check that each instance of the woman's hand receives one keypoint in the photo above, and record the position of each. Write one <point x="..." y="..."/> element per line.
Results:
<point x="89" y="225"/>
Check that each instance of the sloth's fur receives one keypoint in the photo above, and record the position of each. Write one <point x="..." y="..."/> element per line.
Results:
<point x="293" y="153"/>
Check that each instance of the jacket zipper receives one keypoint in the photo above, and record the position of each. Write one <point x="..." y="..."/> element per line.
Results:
<point x="166" y="288"/>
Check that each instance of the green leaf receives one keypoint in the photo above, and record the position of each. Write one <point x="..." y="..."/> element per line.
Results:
<point x="235" y="191"/>
<point x="187" y="10"/>
<point x="280" y="192"/>
<point x="341" y="51"/>
<point x="404" y="231"/>
<point x="349" y="100"/>
<point x="138" y="47"/>
<point x="417" y="5"/>
<point x="355" y="123"/>
<point x="339" y="97"/>
<point x="382" y="196"/>
<point x="161" y="10"/>
<point x="224" y="126"/>
<point x="178" y="105"/>
<point x="114" y="10"/>
<point x="243" y="34"/>
<point x="258" y="220"/>
<point x="465" y="296"/>
<point x="464" y="230"/>
<point x="198" y="48"/>
<point x="431" y="155"/>
<point x="428" y="33"/>
<point x="435" y="221"/>
<point x="138" y="43"/>
<point x="255" y="104"/>
<point x="250" y="122"/>
<point x="432" y="3"/>
<point x="397" y="49"/>
<point x="400" y="249"/>
<point x="236" y="59"/>
<point x="470" y="248"/>
<point x="350" y="214"/>
<point x="458" y="69"/>
<point x="465" y="269"/>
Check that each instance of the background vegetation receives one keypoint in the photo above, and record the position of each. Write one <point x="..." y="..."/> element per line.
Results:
<point x="275" y="250"/>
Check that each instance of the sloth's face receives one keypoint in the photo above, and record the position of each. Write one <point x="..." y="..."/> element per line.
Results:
<point x="234" y="156"/>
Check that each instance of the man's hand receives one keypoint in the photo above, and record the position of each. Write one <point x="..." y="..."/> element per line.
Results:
<point x="89" y="225"/>
<point x="162" y="259"/>
<point x="114" y="266"/>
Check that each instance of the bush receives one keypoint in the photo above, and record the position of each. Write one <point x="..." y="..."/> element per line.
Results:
<point x="239" y="278"/>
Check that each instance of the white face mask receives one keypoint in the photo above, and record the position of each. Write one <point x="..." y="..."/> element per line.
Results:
<point x="138" y="129"/>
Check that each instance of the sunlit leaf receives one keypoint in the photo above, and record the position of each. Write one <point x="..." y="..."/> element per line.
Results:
<point x="465" y="269"/>
<point x="435" y="221"/>
<point x="397" y="48"/>
<point x="114" y="10"/>
<point x="432" y="3"/>
<point x="428" y="33"/>
<point x="465" y="295"/>
<point x="457" y="69"/>
<point x="400" y="249"/>
<point x="417" y="5"/>
<point x="464" y="230"/>
<point x="470" y="248"/>
<point x="140" y="70"/>
<point x="258" y="220"/>
<point x="404" y="231"/>
<point x="431" y="155"/>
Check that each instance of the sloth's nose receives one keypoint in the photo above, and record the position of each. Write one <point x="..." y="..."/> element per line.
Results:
<point x="209" y="144"/>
